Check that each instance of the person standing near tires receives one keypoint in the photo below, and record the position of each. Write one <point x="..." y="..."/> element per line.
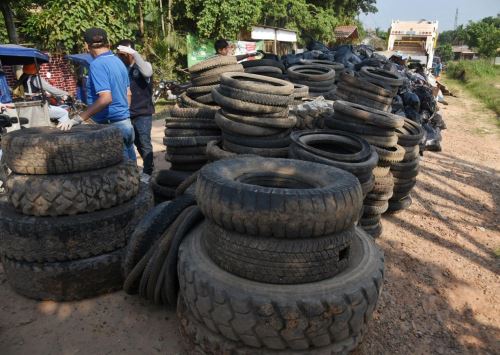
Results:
<point x="109" y="91"/>
<point x="222" y="47"/>
<point x="141" y="108"/>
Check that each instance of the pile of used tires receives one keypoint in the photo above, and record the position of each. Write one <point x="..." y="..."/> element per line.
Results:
<point x="278" y="265"/>
<point x="338" y="67"/>
<point x="254" y="115"/>
<point x="379" y="129"/>
<point x="72" y="205"/>
<point x="187" y="132"/>
<point x="300" y="92"/>
<point x="204" y="76"/>
<point x="320" y="79"/>
<point x="266" y="67"/>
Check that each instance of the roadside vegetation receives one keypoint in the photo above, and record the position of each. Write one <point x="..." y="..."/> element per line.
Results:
<point x="481" y="78"/>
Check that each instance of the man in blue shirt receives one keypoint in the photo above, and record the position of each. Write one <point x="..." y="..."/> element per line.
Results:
<point x="109" y="91"/>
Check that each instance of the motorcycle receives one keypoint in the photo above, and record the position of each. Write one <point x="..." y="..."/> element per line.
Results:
<point x="169" y="89"/>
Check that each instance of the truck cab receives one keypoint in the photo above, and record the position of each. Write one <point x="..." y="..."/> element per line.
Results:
<point x="416" y="39"/>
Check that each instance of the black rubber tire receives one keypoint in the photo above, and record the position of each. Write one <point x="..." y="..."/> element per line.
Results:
<point x="406" y="165"/>
<point x="188" y="168"/>
<point x="265" y="70"/>
<point x="189" y="150"/>
<point x="411" y="152"/>
<point x="263" y="62"/>
<point x="48" y="239"/>
<point x="379" y="196"/>
<point x="162" y="193"/>
<point x="250" y="107"/>
<point x="338" y="67"/>
<point x="214" y="62"/>
<point x="257" y="83"/>
<point x="358" y="169"/>
<point x="385" y="142"/>
<point x="343" y="87"/>
<point x="375" y="231"/>
<point x="410" y="134"/>
<point x="231" y="126"/>
<point x="186" y="184"/>
<point x="189" y="103"/>
<point x="150" y="229"/>
<point x="201" y="340"/>
<point x="278" y="261"/>
<point x="188" y="141"/>
<point x="405" y="185"/>
<point x="174" y="132"/>
<point x="349" y="77"/>
<point x="68" y="280"/>
<point x="255" y="97"/>
<point x="363" y="101"/>
<point x="374" y="207"/>
<point x="70" y="194"/>
<point x="263" y="152"/>
<point x="390" y="155"/>
<point x="381" y="171"/>
<point x="346" y="147"/>
<point x="367" y="186"/>
<point x="369" y="115"/>
<point x="369" y="220"/>
<point x="399" y="205"/>
<point x="348" y="125"/>
<point x="203" y="113"/>
<point x="330" y="199"/>
<point x="44" y="150"/>
<point x="168" y="177"/>
<point x="197" y="90"/>
<point x="205" y="99"/>
<point x="405" y="174"/>
<point x="311" y="72"/>
<point x="281" y="140"/>
<point x="280" y="123"/>
<point x="215" y="152"/>
<point x="192" y="125"/>
<point x="282" y="317"/>
<point x="196" y="78"/>
<point x="388" y="77"/>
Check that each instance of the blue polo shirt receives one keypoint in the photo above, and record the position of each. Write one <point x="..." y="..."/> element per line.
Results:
<point x="108" y="73"/>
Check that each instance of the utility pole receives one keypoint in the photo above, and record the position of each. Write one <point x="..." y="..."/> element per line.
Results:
<point x="456" y="19"/>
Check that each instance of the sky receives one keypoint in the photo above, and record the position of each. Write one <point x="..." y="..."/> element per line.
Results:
<point x="441" y="10"/>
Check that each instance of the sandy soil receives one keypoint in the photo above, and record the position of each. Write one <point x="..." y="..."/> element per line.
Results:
<point x="441" y="291"/>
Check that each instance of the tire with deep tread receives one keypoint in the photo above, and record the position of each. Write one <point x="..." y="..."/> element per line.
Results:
<point x="214" y="62"/>
<point x="369" y="115"/>
<point x="255" y="97"/>
<point x="282" y="317"/>
<point x="70" y="194"/>
<point x="257" y="83"/>
<point x="329" y="200"/>
<point x="44" y="150"/>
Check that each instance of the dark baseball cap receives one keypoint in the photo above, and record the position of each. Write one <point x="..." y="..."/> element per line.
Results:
<point x="95" y="35"/>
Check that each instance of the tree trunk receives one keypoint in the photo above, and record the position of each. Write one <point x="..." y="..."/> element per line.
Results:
<point x="170" y="19"/>
<point x="141" y="20"/>
<point x="9" y="22"/>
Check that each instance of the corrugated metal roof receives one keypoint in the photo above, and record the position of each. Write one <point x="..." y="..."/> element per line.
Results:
<point x="345" y="31"/>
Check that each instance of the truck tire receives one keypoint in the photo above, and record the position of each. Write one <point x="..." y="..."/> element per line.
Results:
<point x="282" y="317"/>
<point x="44" y="150"/>
<point x="279" y="198"/>
<point x="278" y="261"/>
<point x="70" y="194"/>
<point x="48" y="239"/>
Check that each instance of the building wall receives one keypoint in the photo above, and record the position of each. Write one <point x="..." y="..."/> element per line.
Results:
<point x="62" y="74"/>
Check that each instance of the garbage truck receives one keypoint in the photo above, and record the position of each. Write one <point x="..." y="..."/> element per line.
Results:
<point x="417" y="39"/>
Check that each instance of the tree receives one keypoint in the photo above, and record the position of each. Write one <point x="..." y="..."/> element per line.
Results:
<point x="445" y="52"/>
<point x="8" y="16"/>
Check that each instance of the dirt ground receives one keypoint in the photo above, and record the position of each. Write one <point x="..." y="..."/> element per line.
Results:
<point x="441" y="290"/>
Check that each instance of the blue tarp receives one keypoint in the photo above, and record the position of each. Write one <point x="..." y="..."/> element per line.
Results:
<point x="83" y="59"/>
<point x="13" y="54"/>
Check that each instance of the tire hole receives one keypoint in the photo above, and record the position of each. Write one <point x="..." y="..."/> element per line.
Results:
<point x="344" y="253"/>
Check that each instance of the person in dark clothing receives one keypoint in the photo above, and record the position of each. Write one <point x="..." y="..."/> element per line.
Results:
<point x="222" y="47"/>
<point x="141" y="108"/>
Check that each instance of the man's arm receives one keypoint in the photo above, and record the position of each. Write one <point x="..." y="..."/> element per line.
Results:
<point x="105" y="98"/>
<point x="129" y="96"/>
<point x="144" y="67"/>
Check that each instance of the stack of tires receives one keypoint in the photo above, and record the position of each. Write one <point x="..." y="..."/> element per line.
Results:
<point x="278" y="265"/>
<point x="379" y="129"/>
<point x="205" y="76"/>
<point x="300" y="92"/>
<point x="187" y="132"/>
<point x="339" y="149"/>
<point x="266" y="67"/>
<point x="73" y="204"/>
<point x="389" y="80"/>
<point x="361" y="91"/>
<point x="338" y="67"/>
<point x="254" y="114"/>
<point x="319" y="78"/>
<point x="405" y="171"/>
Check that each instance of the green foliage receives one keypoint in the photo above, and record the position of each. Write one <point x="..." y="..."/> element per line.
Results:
<point x="484" y="35"/>
<point x="480" y="77"/>
<point x="382" y="34"/>
<point x="445" y="52"/>
<point x="60" y="25"/>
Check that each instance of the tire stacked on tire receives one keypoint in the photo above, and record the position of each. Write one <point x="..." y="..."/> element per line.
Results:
<point x="319" y="78"/>
<point x="254" y="114"/>
<point x="338" y="149"/>
<point x="266" y="67"/>
<point x="379" y="129"/>
<point x="73" y="203"/>
<point x="338" y="67"/>
<point x="300" y="92"/>
<point x="278" y="267"/>
<point x="205" y="76"/>
<point x="359" y="90"/>
<point x="405" y="171"/>
<point x="187" y="132"/>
